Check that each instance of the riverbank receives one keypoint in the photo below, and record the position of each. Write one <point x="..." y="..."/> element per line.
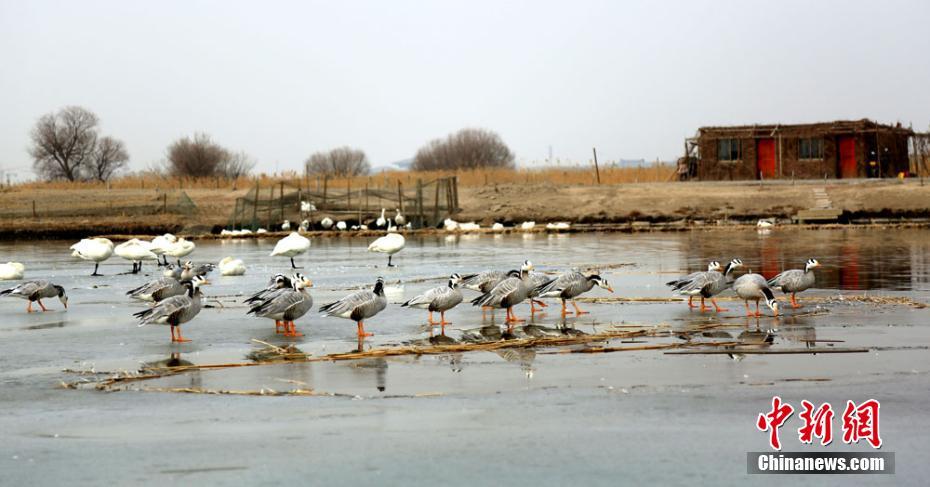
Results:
<point x="73" y="213"/>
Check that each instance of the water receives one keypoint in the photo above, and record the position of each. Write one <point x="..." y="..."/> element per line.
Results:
<point x="557" y="417"/>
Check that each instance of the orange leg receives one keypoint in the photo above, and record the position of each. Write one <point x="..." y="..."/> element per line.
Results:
<point x="180" y="338"/>
<point x="431" y="320"/>
<point x="292" y="330"/>
<point x="443" y="322"/>
<point x="758" y="313"/>
<point x="565" y="310"/>
<point x="716" y="306"/>
<point x="703" y="307"/>
<point x="578" y="311"/>
<point x="41" y="305"/>
<point x="513" y="318"/>
<point x="794" y="302"/>
<point x="173" y="339"/>
<point x="690" y="302"/>
<point x="748" y="311"/>
<point x="361" y="330"/>
<point x="29" y="307"/>
<point x="277" y="327"/>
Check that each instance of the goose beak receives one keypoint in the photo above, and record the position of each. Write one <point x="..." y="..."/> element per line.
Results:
<point x="610" y="289"/>
<point x="308" y="283"/>
<point x="205" y="281"/>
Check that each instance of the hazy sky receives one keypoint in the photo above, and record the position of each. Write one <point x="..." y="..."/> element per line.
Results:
<point x="281" y="80"/>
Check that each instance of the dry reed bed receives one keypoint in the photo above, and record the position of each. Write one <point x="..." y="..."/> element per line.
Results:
<point x="566" y="344"/>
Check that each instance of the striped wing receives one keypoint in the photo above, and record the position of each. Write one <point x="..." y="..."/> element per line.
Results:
<point x="345" y="306"/>
<point x="162" y="312"/>
<point x="791" y="279"/>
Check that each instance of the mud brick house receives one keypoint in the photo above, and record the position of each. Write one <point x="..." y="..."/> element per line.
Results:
<point x="841" y="149"/>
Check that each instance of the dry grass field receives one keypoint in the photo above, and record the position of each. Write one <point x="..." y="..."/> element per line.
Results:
<point x="153" y="204"/>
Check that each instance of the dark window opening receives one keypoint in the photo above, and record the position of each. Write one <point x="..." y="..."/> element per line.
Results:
<point x="810" y="148"/>
<point x="728" y="150"/>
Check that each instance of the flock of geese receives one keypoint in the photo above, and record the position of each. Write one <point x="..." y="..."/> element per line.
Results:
<point x="177" y="296"/>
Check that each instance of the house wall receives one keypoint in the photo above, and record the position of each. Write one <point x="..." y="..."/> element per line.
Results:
<point x="788" y="165"/>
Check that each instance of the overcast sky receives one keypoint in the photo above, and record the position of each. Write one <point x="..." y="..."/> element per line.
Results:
<point x="281" y="80"/>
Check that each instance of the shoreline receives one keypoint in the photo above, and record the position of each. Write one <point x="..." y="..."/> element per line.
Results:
<point x="113" y="233"/>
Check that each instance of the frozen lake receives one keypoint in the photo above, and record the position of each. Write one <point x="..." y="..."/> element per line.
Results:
<point x="519" y="418"/>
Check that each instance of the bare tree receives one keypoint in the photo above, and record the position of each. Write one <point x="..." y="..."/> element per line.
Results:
<point x="342" y="161"/>
<point x="237" y="165"/>
<point x="109" y="156"/>
<point x="196" y="157"/>
<point x="465" y="149"/>
<point x="64" y="143"/>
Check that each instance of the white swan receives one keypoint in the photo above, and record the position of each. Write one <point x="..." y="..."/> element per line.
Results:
<point x="306" y="207"/>
<point x="341" y="225"/>
<point x="304" y="226"/>
<point x="497" y="227"/>
<point x="558" y="226"/>
<point x="469" y="227"/>
<point x="527" y="225"/>
<point x="399" y="219"/>
<point x="380" y="222"/>
<point x="261" y="230"/>
<point x="135" y="251"/>
<point x="326" y="223"/>
<point x="95" y="249"/>
<point x="286" y="226"/>
<point x="11" y="270"/>
<point x="232" y="267"/>
<point x="180" y="248"/>
<point x="450" y="225"/>
<point x="161" y="244"/>
<point x="390" y="244"/>
<point x="290" y="246"/>
<point x="765" y="224"/>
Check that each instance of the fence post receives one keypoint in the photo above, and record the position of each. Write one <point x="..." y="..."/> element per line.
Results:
<point x="164" y="203"/>
<point x="325" y="184"/>
<point x="436" y="202"/>
<point x="366" y="196"/>
<point x="597" y="170"/>
<point x="400" y="196"/>
<point x="34" y="215"/>
<point x="255" y="207"/>
<point x="419" y="202"/>
<point x="270" y="201"/>
<point x="455" y="193"/>
<point x="281" y="195"/>
<point x="349" y="193"/>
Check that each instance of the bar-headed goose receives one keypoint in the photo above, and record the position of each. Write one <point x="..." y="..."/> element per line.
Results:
<point x="682" y="281"/>
<point x="569" y="286"/>
<point x="753" y="287"/>
<point x="795" y="280"/>
<point x="441" y="299"/>
<point x="190" y="270"/>
<point x="158" y="290"/>
<point x="291" y="246"/>
<point x="176" y="310"/>
<point x="95" y="250"/>
<point x="359" y="306"/>
<point x="279" y="281"/>
<point x="35" y="291"/>
<point x="509" y="292"/>
<point x="286" y="305"/>
<point x="709" y="284"/>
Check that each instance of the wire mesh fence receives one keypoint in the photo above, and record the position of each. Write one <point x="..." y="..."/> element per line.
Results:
<point x="63" y="204"/>
<point x="267" y="206"/>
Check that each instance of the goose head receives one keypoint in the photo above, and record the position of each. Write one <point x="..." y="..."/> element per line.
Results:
<point x="811" y="264"/>
<point x="62" y="296"/>
<point x="734" y="264"/>
<point x="379" y="286"/>
<point x="600" y="282"/>
<point x="455" y="280"/>
<point x="527" y="266"/>
<point x="299" y="281"/>
<point x="714" y="266"/>
<point x="770" y="299"/>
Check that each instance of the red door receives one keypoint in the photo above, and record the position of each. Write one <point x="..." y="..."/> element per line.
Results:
<point x="765" y="158"/>
<point x="848" y="167"/>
